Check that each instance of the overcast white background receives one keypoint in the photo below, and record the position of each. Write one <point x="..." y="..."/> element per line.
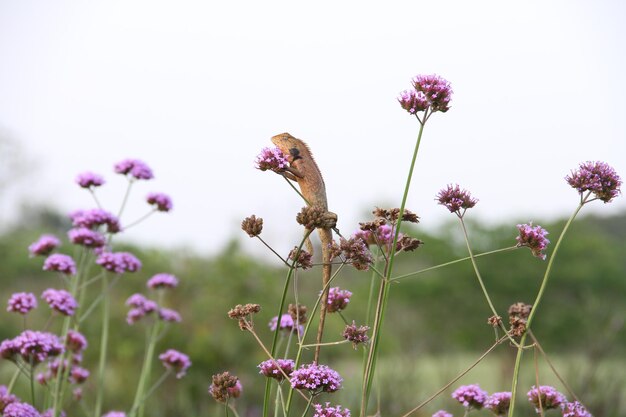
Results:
<point x="197" y="88"/>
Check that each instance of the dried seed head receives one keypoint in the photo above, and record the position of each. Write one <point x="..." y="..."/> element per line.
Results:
<point x="297" y="313"/>
<point x="520" y="309"/>
<point x="335" y="250"/>
<point x="373" y="225"/>
<point x="224" y="386"/>
<point x="409" y="216"/>
<point x="494" y="321"/>
<point x="315" y="217"/>
<point x="304" y="258"/>
<point x="382" y="213"/>
<point x="252" y="225"/>
<point x="409" y="244"/>
<point x="242" y="313"/>
<point x="356" y="252"/>
<point x="518" y="316"/>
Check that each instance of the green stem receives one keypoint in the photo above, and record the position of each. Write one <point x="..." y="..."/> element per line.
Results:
<point x="384" y="293"/>
<point x="308" y="405"/>
<point x="533" y="311"/>
<point x="467" y="258"/>
<point x="139" y="220"/>
<point x="268" y="386"/>
<point x="104" y="339"/>
<point x="145" y="370"/>
<point x="151" y="390"/>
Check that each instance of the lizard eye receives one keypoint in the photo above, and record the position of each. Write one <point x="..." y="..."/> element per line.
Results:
<point x="295" y="153"/>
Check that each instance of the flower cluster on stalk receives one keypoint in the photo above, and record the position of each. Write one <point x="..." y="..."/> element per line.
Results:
<point x="596" y="177"/>
<point x="316" y="378"/>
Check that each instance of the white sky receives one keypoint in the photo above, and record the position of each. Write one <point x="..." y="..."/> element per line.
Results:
<point x="197" y="88"/>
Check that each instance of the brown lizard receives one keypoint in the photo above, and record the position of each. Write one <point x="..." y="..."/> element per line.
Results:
<point x="305" y="172"/>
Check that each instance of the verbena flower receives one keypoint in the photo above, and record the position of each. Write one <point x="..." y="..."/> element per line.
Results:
<point x="75" y="341"/>
<point x="356" y="335"/>
<point x="17" y="409"/>
<point x="547" y="395"/>
<point x="455" y="199"/>
<point x="534" y="238"/>
<point x="598" y="177"/>
<point x="272" y="368"/>
<point x="50" y="413"/>
<point x="471" y="396"/>
<point x="35" y="346"/>
<point x="22" y="302"/>
<point x="286" y="323"/>
<point x="413" y="101"/>
<point x="6" y="398"/>
<point x="436" y="90"/>
<point x="119" y="262"/>
<point x="61" y="263"/>
<point x="356" y="252"/>
<point x="499" y="403"/>
<point x="252" y="225"/>
<point x="89" y="179"/>
<point x="162" y="281"/>
<point x="575" y="409"/>
<point x="224" y="386"/>
<point x="44" y="245"/>
<point x="60" y="301"/>
<point x="134" y="168"/>
<point x="173" y="359"/>
<point x="141" y="307"/>
<point x="114" y="414"/>
<point x="328" y="411"/>
<point x="338" y="299"/>
<point x="304" y="258"/>
<point x="161" y="201"/>
<point x="271" y="159"/>
<point x="78" y="375"/>
<point x="94" y="218"/>
<point x="86" y="237"/>
<point x="316" y="378"/>
<point x="169" y="315"/>
<point x="442" y="413"/>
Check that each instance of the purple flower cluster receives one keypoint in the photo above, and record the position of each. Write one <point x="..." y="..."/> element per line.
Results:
<point x="455" y="199"/>
<point x="356" y="335"/>
<point x="598" y="177"/>
<point x="75" y="341"/>
<point x="161" y="201"/>
<point x="119" y="262"/>
<point x="89" y="179"/>
<point x="442" y="413"/>
<point x="33" y="346"/>
<point x="316" y="378"/>
<point x="159" y="281"/>
<point x="575" y="409"/>
<point x="17" y="409"/>
<point x="169" y="315"/>
<point x="272" y="159"/>
<point x="6" y="398"/>
<point x="471" y="396"/>
<point x="286" y="323"/>
<point x="534" y="238"/>
<point x="50" y="413"/>
<point x="277" y="369"/>
<point x="338" y="299"/>
<point x="22" y="302"/>
<point x="61" y="263"/>
<point x="499" y="403"/>
<point x="328" y="411"/>
<point x="115" y="414"/>
<point x="141" y="307"/>
<point x="173" y="359"/>
<point x="134" y="168"/>
<point x="44" y="245"/>
<point x="94" y="218"/>
<point x="547" y="395"/>
<point x="86" y="237"/>
<point x="429" y="91"/>
<point x="60" y="301"/>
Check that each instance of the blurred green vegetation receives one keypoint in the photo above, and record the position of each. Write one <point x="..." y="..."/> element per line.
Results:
<point x="435" y="326"/>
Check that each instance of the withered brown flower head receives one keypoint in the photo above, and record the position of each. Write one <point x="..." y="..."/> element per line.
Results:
<point x="382" y="213"/>
<point x="335" y="250"/>
<point x="304" y="260"/>
<point x="297" y="313"/>
<point x="373" y="225"/>
<point x="409" y="216"/>
<point x="252" y="225"/>
<point x="242" y="313"/>
<point x="393" y="214"/>
<point x="409" y="244"/>
<point x="223" y="386"/>
<point x="356" y="252"/>
<point x="518" y="315"/>
<point x="355" y="334"/>
<point x="494" y="321"/>
<point x="314" y="217"/>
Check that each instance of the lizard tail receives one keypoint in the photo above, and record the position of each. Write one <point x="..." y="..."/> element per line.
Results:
<point x="326" y="237"/>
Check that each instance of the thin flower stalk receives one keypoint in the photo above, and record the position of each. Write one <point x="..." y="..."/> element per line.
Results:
<point x="546" y="276"/>
<point x="383" y="293"/>
<point x="104" y="343"/>
<point x="145" y="370"/>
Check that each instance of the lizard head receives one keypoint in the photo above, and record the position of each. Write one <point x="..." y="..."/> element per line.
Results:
<point x="289" y="145"/>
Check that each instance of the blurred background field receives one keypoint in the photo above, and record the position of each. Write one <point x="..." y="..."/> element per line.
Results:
<point x="435" y="327"/>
